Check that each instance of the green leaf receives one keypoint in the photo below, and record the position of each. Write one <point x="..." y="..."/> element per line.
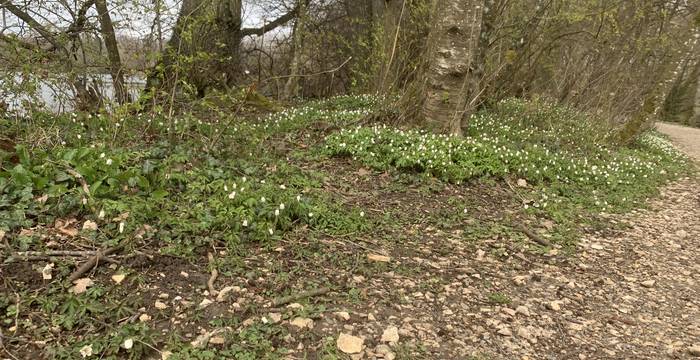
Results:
<point x="159" y="194"/>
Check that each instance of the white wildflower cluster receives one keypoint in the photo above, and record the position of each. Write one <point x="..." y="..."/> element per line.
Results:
<point x="544" y="149"/>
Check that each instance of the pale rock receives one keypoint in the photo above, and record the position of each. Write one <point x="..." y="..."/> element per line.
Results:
<point x="349" y="344"/>
<point x="522" y="183"/>
<point x="342" y="315"/>
<point x="144" y="317"/>
<point x="275" y="317"/>
<point x="597" y="246"/>
<point x="509" y="311"/>
<point x="523" y="310"/>
<point x="648" y="283"/>
<point x="160" y="305"/>
<point x="382" y="349"/>
<point x="301" y="323"/>
<point x="694" y="350"/>
<point x="204" y="303"/>
<point x="390" y="335"/>
<point x="554" y="306"/>
<point x="217" y="340"/>
<point x="371" y="317"/>
<point x="504" y="331"/>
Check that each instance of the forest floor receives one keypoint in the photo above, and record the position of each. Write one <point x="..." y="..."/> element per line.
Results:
<point x="390" y="265"/>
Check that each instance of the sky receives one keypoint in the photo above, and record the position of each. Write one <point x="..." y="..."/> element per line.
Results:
<point x="132" y="18"/>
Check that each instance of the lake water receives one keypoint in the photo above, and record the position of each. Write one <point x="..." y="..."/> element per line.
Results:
<point x="54" y="93"/>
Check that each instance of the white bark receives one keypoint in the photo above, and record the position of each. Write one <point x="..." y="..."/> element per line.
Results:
<point x="454" y="40"/>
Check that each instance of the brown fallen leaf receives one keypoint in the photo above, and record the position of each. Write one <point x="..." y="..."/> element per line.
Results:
<point x="68" y="231"/>
<point x="118" y="278"/>
<point x="90" y="225"/>
<point x="81" y="285"/>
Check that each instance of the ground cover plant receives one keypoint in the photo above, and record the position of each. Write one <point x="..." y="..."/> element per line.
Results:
<point x="278" y="203"/>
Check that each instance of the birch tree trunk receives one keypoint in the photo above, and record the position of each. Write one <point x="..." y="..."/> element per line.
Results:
<point x="695" y="118"/>
<point x="291" y="88"/>
<point x="449" y="79"/>
<point x="115" y="63"/>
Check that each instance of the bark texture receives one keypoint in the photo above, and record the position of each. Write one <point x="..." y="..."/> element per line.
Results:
<point x="291" y="88"/>
<point x="203" y="50"/>
<point x="449" y="77"/>
<point x="115" y="63"/>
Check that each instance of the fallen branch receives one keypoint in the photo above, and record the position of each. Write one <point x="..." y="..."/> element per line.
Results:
<point x="534" y="237"/>
<point x="55" y="253"/>
<point x="298" y="296"/>
<point x="80" y="179"/>
<point x="93" y="262"/>
<point x="214" y="275"/>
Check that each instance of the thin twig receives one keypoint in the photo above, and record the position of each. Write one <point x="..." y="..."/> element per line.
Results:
<point x="298" y="296"/>
<point x="55" y="253"/>
<point x="534" y="237"/>
<point x="92" y="262"/>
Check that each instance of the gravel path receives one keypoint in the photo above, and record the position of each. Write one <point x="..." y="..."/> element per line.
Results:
<point x="686" y="138"/>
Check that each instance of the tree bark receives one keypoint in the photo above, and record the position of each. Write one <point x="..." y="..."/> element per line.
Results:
<point x="695" y="118"/>
<point x="115" y="64"/>
<point x="454" y="37"/>
<point x="203" y="50"/>
<point x="291" y="88"/>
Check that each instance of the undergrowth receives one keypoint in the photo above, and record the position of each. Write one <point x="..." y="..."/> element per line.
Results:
<point x="186" y="184"/>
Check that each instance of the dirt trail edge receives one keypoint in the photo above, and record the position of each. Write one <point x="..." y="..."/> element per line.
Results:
<point x="630" y="292"/>
<point x="687" y="138"/>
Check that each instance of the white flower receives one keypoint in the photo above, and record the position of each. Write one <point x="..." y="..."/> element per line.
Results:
<point x="79" y="136"/>
<point x="277" y="212"/>
<point x="270" y="230"/>
<point x="232" y="195"/>
<point x="282" y="206"/>
<point x="109" y="161"/>
<point x="262" y="199"/>
<point x="121" y="227"/>
<point x="245" y="223"/>
<point x="362" y="214"/>
<point x="128" y="344"/>
<point x="86" y="351"/>
<point x="311" y="214"/>
<point x="225" y="188"/>
<point x="101" y="215"/>
<point x="298" y="197"/>
<point x="282" y="187"/>
<point x="244" y="179"/>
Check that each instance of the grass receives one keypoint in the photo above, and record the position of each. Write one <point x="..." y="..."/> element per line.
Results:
<point x="276" y="194"/>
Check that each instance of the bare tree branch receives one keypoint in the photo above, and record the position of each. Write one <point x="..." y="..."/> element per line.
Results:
<point x="271" y="25"/>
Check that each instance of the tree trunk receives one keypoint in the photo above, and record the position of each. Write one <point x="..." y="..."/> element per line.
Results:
<point x="453" y="45"/>
<point x="695" y="118"/>
<point x="115" y="63"/>
<point x="203" y="50"/>
<point x="291" y="88"/>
